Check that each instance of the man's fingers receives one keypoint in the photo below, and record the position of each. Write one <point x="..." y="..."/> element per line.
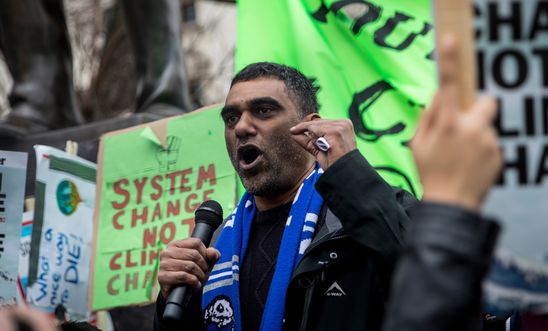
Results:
<point x="191" y="243"/>
<point x="184" y="254"/>
<point x="485" y="109"/>
<point x="35" y="319"/>
<point x="302" y="139"/>
<point x="323" y="128"/>
<point x="213" y="255"/>
<point x="307" y="143"/>
<point x="305" y="134"/>
<point x="301" y="127"/>
<point x="186" y="243"/>
<point x="434" y="110"/>
<point x="185" y="266"/>
<point x="448" y="73"/>
<point x="427" y="120"/>
<point x="179" y="278"/>
<point x="311" y="129"/>
<point x="424" y="123"/>
<point x="6" y="322"/>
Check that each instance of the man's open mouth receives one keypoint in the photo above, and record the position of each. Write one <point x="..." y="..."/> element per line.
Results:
<point x="249" y="156"/>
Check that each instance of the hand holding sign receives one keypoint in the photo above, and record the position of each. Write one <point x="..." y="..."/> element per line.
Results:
<point x="456" y="152"/>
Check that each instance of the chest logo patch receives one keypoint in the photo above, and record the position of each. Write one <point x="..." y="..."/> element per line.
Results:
<point x="334" y="290"/>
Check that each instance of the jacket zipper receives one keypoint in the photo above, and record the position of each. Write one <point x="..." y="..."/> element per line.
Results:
<point x="320" y="276"/>
<point x="308" y="296"/>
<point x="307" y="302"/>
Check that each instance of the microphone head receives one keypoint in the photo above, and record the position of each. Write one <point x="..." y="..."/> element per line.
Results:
<point x="209" y="212"/>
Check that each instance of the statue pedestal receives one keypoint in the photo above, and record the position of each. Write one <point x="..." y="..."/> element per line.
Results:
<point x="87" y="136"/>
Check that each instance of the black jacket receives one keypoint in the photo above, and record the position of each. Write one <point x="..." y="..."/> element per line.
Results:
<point x="437" y="284"/>
<point x="343" y="279"/>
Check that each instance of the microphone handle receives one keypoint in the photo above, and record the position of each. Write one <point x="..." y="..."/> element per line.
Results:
<point x="204" y="232"/>
<point x="179" y="297"/>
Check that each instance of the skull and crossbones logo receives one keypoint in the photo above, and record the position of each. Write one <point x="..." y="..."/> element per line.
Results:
<point x="220" y="312"/>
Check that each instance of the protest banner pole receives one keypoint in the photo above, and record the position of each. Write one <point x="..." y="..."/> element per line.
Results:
<point x="98" y="188"/>
<point x="71" y="147"/>
<point x="30" y="203"/>
<point x="456" y="18"/>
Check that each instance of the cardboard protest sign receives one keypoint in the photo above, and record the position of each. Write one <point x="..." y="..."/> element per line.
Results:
<point x="61" y="235"/>
<point x="151" y="178"/>
<point x="24" y="255"/>
<point x="373" y="61"/>
<point x="512" y="52"/>
<point x="13" y="169"/>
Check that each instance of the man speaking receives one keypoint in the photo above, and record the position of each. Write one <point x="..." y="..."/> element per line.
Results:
<point x="313" y="241"/>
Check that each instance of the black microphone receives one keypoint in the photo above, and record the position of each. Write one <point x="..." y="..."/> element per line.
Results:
<point x="207" y="219"/>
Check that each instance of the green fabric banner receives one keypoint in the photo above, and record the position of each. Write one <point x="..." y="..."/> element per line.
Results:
<point x="148" y="193"/>
<point x="373" y="61"/>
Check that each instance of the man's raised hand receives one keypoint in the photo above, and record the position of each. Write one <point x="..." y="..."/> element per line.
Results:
<point x="338" y="133"/>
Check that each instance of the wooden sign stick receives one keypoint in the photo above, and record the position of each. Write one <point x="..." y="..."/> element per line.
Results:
<point x="455" y="17"/>
<point x="71" y="147"/>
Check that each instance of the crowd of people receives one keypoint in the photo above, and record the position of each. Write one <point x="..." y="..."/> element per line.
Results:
<point x="320" y="241"/>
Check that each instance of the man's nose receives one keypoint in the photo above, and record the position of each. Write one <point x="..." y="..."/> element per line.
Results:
<point x="245" y="126"/>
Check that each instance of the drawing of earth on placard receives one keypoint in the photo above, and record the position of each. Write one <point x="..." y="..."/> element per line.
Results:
<point x="68" y="197"/>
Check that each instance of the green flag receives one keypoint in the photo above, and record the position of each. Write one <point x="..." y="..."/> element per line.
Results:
<point x="373" y="62"/>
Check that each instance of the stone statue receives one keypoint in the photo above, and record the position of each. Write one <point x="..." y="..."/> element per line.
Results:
<point x="35" y="43"/>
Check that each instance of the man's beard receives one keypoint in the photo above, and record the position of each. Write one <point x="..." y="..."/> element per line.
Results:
<point x="285" y="162"/>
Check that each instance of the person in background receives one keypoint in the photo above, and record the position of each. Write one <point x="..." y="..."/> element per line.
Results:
<point x="437" y="284"/>
<point x="26" y="319"/>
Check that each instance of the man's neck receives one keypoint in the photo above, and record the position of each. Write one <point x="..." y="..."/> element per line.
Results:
<point x="266" y="203"/>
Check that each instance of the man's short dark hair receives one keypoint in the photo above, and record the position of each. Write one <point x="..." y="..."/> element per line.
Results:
<point x="301" y="90"/>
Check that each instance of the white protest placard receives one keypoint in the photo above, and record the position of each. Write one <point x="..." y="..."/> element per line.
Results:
<point x="13" y="172"/>
<point x="512" y="53"/>
<point x="24" y="254"/>
<point x="62" y="232"/>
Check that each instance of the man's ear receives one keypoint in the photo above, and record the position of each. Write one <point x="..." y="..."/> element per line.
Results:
<point x="311" y="117"/>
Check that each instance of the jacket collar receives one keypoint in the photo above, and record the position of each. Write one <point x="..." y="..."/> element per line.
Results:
<point x="328" y="226"/>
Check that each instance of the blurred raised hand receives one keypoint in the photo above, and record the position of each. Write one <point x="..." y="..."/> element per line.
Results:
<point x="456" y="150"/>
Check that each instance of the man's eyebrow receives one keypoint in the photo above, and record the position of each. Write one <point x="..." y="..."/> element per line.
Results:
<point x="264" y="101"/>
<point x="228" y="109"/>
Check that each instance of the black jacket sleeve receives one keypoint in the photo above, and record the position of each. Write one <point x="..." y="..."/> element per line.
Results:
<point x="370" y="210"/>
<point x="437" y="284"/>
<point x="192" y="318"/>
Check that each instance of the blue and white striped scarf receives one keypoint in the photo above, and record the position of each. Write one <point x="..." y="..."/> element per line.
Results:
<point x="221" y="294"/>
